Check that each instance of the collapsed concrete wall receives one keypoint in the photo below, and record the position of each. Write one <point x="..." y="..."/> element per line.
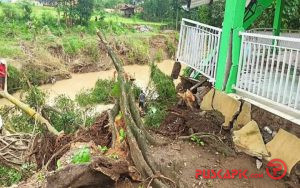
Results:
<point x="256" y="131"/>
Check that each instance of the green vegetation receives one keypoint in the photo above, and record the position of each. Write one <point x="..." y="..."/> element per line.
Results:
<point x="163" y="84"/>
<point x="159" y="55"/>
<point x="9" y="176"/>
<point x="35" y="98"/>
<point x="14" y="81"/>
<point x="138" y="52"/>
<point x="113" y="156"/>
<point x="65" y="115"/>
<point x="197" y="140"/>
<point x="155" y="115"/>
<point x="103" y="149"/>
<point x="68" y="116"/>
<point x="165" y="89"/>
<point x="122" y="134"/>
<point x="82" y="156"/>
<point x="103" y="93"/>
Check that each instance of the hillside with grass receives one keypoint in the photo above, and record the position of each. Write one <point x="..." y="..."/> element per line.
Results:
<point x="38" y="43"/>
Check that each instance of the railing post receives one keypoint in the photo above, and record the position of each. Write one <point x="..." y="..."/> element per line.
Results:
<point x="180" y="42"/>
<point x="236" y="50"/>
<point x="233" y="19"/>
<point x="277" y="17"/>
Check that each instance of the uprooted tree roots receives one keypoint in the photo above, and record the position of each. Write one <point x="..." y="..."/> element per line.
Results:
<point x="14" y="149"/>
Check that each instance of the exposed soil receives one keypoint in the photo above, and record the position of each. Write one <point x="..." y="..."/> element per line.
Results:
<point x="274" y="122"/>
<point x="184" y="158"/>
<point x="179" y="121"/>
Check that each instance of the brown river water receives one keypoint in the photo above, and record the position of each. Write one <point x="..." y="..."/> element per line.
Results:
<point x="84" y="81"/>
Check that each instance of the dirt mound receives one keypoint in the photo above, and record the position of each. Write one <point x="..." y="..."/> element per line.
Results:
<point x="183" y="122"/>
<point x="179" y="120"/>
<point x="46" y="145"/>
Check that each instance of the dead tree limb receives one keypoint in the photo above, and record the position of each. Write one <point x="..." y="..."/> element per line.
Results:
<point x="32" y="113"/>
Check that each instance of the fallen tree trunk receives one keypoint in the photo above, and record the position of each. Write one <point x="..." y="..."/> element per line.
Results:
<point x="32" y="113"/>
<point x="138" y="139"/>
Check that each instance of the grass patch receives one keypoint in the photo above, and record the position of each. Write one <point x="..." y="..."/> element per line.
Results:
<point x="159" y="55"/>
<point x="138" y="52"/>
<point x="72" y="45"/>
<point x="9" y="176"/>
<point x="101" y="93"/>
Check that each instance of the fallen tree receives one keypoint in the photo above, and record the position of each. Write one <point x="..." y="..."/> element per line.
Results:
<point x="31" y="112"/>
<point x="138" y="139"/>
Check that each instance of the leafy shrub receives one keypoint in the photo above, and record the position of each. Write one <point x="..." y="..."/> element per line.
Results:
<point x="22" y="122"/>
<point x="35" y="76"/>
<point x="155" y="115"/>
<point x="27" y="9"/>
<point x="82" y="156"/>
<point x="69" y="118"/>
<point x="48" y="19"/>
<point x="101" y="93"/>
<point x="14" y="81"/>
<point x="35" y="98"/>
<point x="136" y="91"/>
<point x="163" y="84"/>
<point x="72" y="45"/>
<point x="10" y="12"/>
<point x="9" y="176"/>
<point x="165" y="89"/>
<point x="84" y="98"/>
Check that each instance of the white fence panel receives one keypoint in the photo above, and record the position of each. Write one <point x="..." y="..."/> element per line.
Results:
<point x="199" y="46"/>
<point x="269" y="68"/>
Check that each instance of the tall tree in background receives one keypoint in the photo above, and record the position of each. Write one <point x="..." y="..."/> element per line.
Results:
<point x="75" y="11"/>
<point x="157" y="10"/>
<point x="290" y="16"/>
<point x="85" y="10"/>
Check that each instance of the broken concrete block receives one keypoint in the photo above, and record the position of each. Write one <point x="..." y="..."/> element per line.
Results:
<point x="249" y="140"/>
<point x="206" y="104"/>
<point x="227" y="105"/>
<point x="285" y="146"/>
<point x="244" y="117"/>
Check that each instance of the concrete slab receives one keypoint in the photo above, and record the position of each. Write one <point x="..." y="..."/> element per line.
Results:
<point x="249" y="140"/>
<point x="227" y="105"/>
<point x="206" y="104"/>
<point x="285" y="146"/>
<point x="244" y="117"/>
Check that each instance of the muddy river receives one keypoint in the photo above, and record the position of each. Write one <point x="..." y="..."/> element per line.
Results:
<point x="84" y="81"/>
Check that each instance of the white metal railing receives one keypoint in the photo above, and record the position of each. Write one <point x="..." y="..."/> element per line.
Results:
<point x="199" y="46"/>
<point x="283" y="33"/>
<point x="269" y="70"/>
